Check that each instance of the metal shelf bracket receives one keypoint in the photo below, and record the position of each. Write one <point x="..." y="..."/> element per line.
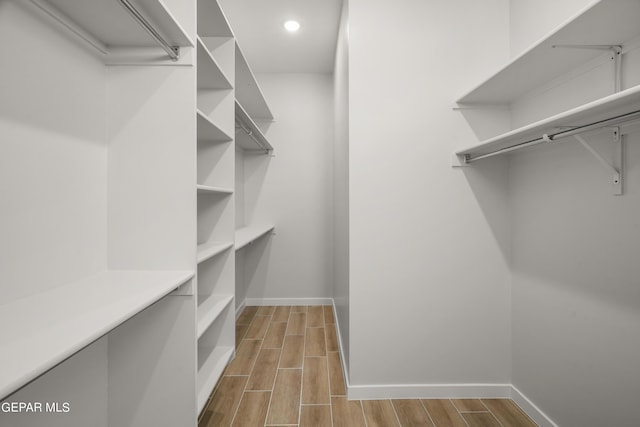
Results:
<point x="616" y="57"/>
<point x="615" y="169"/>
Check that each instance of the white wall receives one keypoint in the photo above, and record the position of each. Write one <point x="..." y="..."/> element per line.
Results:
<point x="429" y="277"/>
<point x="340" y="281"/>
<point x="292" y="190"/>
<point x="576" y="300"/>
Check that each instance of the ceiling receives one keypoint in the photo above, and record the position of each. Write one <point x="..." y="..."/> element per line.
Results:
<point x="269" y="48"/>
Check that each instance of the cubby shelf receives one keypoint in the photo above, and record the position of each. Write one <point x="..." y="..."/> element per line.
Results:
<point x="246" y="235"/>
<point x="603" y="22"/>
<point x="210" y="249"/>
<point x="210" y="74"/>
<point x="213" y="363"/>
<point x="207" y="190"/>
<point x="210" y="309"/>
<point x="209" y="131"/>
<point x="250" y="136"/>
<point x="51" y="326"/>
<point x="248" y="92"/>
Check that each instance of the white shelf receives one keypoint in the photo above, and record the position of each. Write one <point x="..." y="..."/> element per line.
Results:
<point x="215" y="360"/>
<point x="210" y="309"/>
<point x="246" y="235"/>
<point x="110" y="25"/>
<point x="209" y="131"/>
<point x="210" y="74"/>
<point x="207" y="190"/>
<point x="45" y="329"/>
<point x="618" y="104"/>
<point x="605" y="22"/>
<point x="211" y="249"/>
<point x="211" y="20"/>
<point x="248" y="92"/>
<point x="245" y="140"/>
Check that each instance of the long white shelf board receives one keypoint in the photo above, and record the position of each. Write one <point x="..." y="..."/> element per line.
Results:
<point x="111" y="25"/>
<point x="210" y="310"/>
<point x="212" y="362"/>
<point x="208" y="190"/>
<point x="603" y="22"/>
<point x="245" y="140"/>
<point x="44" y="329"/>
<point x="211" y="249"/>
<point x="246" y="235"/>
<point x="248" y="90"/>
<point x="210" y="74"/>
<point x="610" y="106"/>
<point x="209" y="131"/>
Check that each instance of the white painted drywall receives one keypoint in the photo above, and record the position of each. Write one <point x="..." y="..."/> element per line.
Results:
<point x="340" y="280"/>
<point x="429" y="279"/>
<point x="291" y="190"/>
<point x="576" y="299"/>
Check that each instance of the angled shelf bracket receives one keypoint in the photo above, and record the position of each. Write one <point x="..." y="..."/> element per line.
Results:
<point x="616" y="57"/>
<point x="615" y="169"/>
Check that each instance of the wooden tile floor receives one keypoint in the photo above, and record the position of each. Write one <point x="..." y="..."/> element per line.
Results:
<point x="287" y="372"/>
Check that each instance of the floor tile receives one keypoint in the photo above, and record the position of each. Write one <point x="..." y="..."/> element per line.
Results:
<point x="315" y="416"/>
<point x="264" y="370"/>
<point x="482" y="419"/>
<point x="508" y="413"/>
<point x="379" y="413"/>
<point x="411" y="413"/>
<point x="292" y="351"/>
<point x="258" y="328"/>
<point x="299" y="309"/>
<point x="247" y="315"/>
<point x="332" y="337"/>
<point x="253" y="409"/>
<point x="266" y="310"/>
<point x="328" y="314"/>
<point x="245" y="358"/>
<point x="297" y="324"/>
<point x="275" y="335"/>
<point x="347" y="413"/>
<point x="281" y="314"/>
<point x="443" y="413"/>
<point x="315" y="381"/>
<point x="315" y="317"/>
<point x="285" y="402"/>
<point x="336" y="378"/>
<point x="315" y="344"/>
<point x="225" y="401"/>
<point x="469" y="405"/>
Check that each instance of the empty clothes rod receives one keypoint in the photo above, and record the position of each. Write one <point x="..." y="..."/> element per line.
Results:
<point x="172" y="51"/>
<point x="611" y="121"/>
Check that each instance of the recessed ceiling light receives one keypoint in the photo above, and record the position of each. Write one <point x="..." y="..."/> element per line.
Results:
<point x="292" y="26"/>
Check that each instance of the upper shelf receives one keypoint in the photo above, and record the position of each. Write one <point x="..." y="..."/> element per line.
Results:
<point x="619" y="104"/>
<point x="250" y="136"/>
<point x="246" y="235"/>
<point x="209" y="131"/>
<point x="210" y="74"/>
<point x="248" y="92"/>
<point x="603" y="22"/>
<point x="51" y="326"/>
<point x="107" y="24"/>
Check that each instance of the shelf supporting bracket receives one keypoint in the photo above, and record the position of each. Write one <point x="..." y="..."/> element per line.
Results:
<point x="614" y="169"/>
<point x="616" y="57"/>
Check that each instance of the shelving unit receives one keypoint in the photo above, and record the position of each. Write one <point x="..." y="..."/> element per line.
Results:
<point x="205" y="189"/>
<point x="210" y="74"/>
<point x="209" y="131"/>
<point x="249" y="136"/>
<point x="248" y="235"/>
<point x="211" y="249"/>
<point x="248" y="92"/>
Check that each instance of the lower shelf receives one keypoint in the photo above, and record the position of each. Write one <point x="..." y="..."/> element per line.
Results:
<point x="211" y="363"/>
<point x="210" y="309"/>
<point x="248" y="234"/>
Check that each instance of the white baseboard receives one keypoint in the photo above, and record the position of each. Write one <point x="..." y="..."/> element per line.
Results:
<point x="345" y="371"/>
<point x="531" y="409"/>
<point x="288" y="301"/>
<point x="241" y="307"/>
<point x="429" y="391"/>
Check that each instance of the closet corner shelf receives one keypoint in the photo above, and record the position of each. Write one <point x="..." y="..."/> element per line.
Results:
<point x="106" y="24"/>
<point x="209" y="131"/>
<point x="212" y="362"/>
<point x="207" y="190"/>
<point x="248" y="92"/>
<point x="53" y="325"/>
<point x="210" y="74"/>
<point x="211" y="249"/>
<point x="612" y="106"/>
<point x="249" y="234"/>
<point x="602" y="22"/>
<point x="250" y="136"/>
<point x="210" y="310"/>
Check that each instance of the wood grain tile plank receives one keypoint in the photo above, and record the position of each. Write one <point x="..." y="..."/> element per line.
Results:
<point x="258" y="328"/>
<point x="266" y="310"/>
<point x="292" y="351"/>
<point x="379" y="413"/>
<point x="241" y="330"/>
<point x="247" y="315"/>
<point x="315" y="317"/>
<point x="482" y="419"/>
<point x="336" y="378"/>
<point x="315" y="381"/>
<point x="411" y="413"/>
<point x="275" y="335"/>
<point x="225" y="401"/>
<point x="332" y="337"/>
<point x="328" y="314"/>
<point x="264" y="370"/>
<point x="297" y="324"/>
<point x="285" y="402"/>
<point x="508" y="412"/>
<point x="443" y="413"/>
<point x="245" y="358"/>
<point x="469" y="405"/>
<point x="253" y="409"/>
<point x="315" y="416"/>
<point x="315" y="345"/>
<point x="281" y="313"/>
<point x="299" y="309"/>
<point x="347" y="413"/>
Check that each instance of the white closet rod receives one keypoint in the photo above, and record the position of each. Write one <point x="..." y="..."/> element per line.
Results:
<point x="172" y="51"/>
<point x="623" y="118"/>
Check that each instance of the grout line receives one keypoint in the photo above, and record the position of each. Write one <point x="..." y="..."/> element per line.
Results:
<point x="459" y="414"/>
<point x="427" y="411"/>
<point x="275" y="378"/>
<point x="364" y="417"/>
<point x="304" y="351"/>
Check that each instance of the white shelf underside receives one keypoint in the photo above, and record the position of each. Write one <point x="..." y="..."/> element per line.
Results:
<point x="246" y="235"/>
<point x="210" y="310"/>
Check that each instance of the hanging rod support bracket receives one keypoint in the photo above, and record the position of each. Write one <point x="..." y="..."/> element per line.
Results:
<point x="615" y="169"/>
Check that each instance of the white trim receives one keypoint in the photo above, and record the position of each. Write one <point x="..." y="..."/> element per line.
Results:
<point x="429" y="391"/>
<point x="531" y="409"/>
<point x="288" y="301"/>
<point x="345" y="371"/>
<point x="239" y="309"/>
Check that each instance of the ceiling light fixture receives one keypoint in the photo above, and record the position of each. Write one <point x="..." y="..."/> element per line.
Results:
<point x="292" y="26"/>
